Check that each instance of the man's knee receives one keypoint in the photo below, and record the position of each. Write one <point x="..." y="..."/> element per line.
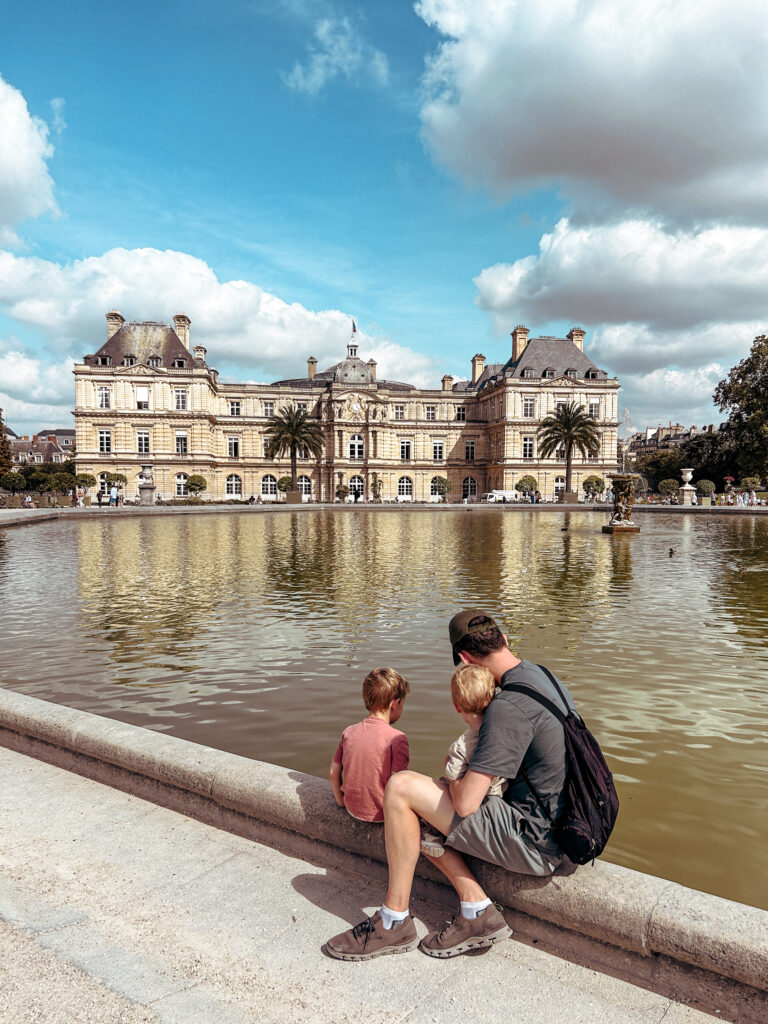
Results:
<point x="399" y="786"/>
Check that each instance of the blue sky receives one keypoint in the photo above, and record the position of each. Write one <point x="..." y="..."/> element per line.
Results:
<point x="439" y="172"/>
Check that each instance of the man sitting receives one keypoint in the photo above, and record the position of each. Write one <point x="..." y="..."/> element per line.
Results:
<point x="518" y="738"/>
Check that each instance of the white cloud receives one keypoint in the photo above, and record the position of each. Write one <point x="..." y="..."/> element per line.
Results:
<point x="25" y="378"/>
<point x="26" y="187"/>
<point x="654" y="107"/>
<point x="633" y="271"/>
<point x="237" y="321"/>
<point x="685" y="395"/>
<point x="339" y="50"/>
<point x="57" y="106"/>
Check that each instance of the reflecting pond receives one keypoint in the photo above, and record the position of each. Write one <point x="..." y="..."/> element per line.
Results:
<point x="252" y="633"/>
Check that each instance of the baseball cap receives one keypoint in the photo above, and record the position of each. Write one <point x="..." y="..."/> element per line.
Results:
<point x="459" y="627"/>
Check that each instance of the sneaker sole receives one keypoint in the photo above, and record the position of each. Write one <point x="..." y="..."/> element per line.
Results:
<point x="474" y="942"/>
<point x="384" y="951"/>
<point x="432" y="849"/>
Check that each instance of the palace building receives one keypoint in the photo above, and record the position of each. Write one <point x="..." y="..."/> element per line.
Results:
<point x="148" y="396"/>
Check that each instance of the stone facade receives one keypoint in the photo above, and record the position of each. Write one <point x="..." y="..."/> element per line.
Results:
<point x="145" y="397"/>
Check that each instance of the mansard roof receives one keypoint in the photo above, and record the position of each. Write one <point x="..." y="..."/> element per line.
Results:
<point x="143" y="341"/>
<point x="558" y="354"/>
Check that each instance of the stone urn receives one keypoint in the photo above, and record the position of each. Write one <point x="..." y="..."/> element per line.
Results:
<point x="147" y="486"/>
<point x="686" y="492"/>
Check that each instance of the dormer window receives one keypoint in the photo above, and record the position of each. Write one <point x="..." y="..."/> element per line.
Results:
<point x="129" y="360"/>
<point x="154" y="360"/>
<point x="103" y="360"/>
<point x="571" y="373"/>
<point x="549" y="373"/>
<point x="529" y="372"/>
<point x="591" y="374"/>
<point x="179" y="364"/>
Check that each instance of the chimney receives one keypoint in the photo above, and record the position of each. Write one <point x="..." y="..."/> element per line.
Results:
<point x="447" y="382"/>
<point x="519" y="341"/>
<point x="115" y="321"/>
<point x="181" y="323"/>
<point x="372" y="368"/>
<point x="478" y="365"/>
<point x="576" y="336"/>
<point x="311" y="367"/>
<point x="200" y="353"/>
<point x="34" y="439"/>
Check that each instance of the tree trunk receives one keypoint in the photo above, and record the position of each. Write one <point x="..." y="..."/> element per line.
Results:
<point x="568" y="458"/>
<point x="294" y="471"/>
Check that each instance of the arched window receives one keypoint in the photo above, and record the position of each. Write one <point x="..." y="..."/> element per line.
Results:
<point x="559" y="485"/>
<point x="434" y="487"/>
<point x="356" y="446"/>
<point x="469" y="487"/>
<point x="405" y="487"/>
<point x="305" y="486"/>
<point x="234" y="484"/>
<point x="268" y="486"/>
<point x="357" y="486"/>
<point x="181" y="485"/>
<point x="103" y="485"/>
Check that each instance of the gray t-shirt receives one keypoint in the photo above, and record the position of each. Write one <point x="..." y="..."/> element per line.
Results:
<point x="518" y="732"/>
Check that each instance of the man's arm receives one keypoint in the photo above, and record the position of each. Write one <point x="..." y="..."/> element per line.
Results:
<point x="469" y="792"/>
<point x="334" y="774"/>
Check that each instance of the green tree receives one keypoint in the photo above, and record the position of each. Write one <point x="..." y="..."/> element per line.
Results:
<point x="442" y="485"/>
<point x="63" y="482"/>
<point x="706" y="487"/>
<point x="662" y="465"/>
<point x="750" y="483"/>
<point x="342" y="492"/>
<point x="744" y="396"/>
<point x="13" y="482"/>
<point x="526" y="484"/>
<point x="289" y="430"/>
<point x="6" y="452"/>
<point x="86" y="481"/>
<point x="196" y="484"/>
<point x="285" y="484"/>
<point x="668" y="487"/>
<point x="117" y="479"/>
<point x="376" y="486"/>
<point x="570" y="427"/>
<point x="639" y="484"/>
<point x="593" y="485"/>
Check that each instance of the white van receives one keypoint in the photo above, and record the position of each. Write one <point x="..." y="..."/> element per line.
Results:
<point x="495" y="496"/>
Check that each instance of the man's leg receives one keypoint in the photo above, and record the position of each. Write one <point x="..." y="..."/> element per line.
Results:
<point x="408" y="797"/>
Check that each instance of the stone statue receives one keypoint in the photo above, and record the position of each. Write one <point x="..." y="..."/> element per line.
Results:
<point x="623" y="500"/>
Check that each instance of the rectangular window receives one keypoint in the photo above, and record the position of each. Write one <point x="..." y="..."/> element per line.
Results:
<point x="405" y="450"/>
<point x="560" y="453"/>
<point x="527" y="447"/>
<point x="529" y="408"/>
<point x="181" y="442"/>
<point x="594" y="455"/>
<point x="233" y="447"/>
<point x="430" y="412"/>
<point x="469" y="450"/>
<point x="437" y="451"/>
<point x="105" y="441"/>
<point x="38" y="457"/>
<point x="105" y="397"/>
<point x="142" y="442"/>
<point x="302" y="451"/>
<point x="594" y="410"/>
<point x="180" y="399"/>
<point x="560" y="404"/>
<point x="399" y="412"/>
<point x="269" y="408"/>
<point x="266" y="447"/>
<point x="461" y="413"/>
<point x="142" y="397"/>
<point x="234" y="408"/>
<point x="301" y="407"/>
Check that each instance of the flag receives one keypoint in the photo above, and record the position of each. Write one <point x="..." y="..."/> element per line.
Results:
<point x="354" y="327"/>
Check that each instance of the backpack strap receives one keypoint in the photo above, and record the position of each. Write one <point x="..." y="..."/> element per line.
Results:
<point x="545" y="702"/>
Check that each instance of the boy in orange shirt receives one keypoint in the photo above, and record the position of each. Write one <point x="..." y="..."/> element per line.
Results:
<point x="371" y="751"/>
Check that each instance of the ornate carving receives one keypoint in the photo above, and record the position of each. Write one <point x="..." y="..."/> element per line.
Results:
<point x="623" y="500"/>
<point x="352" y="409"/>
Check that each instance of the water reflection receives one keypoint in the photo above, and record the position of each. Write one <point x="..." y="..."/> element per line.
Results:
<point x="253" y="633"/>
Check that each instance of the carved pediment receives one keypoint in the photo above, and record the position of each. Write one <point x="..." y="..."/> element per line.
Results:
<point x="353" y="407"/>
<point x="137" y="370"/>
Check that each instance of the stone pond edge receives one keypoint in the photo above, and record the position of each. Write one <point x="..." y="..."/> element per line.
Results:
<point x="633" y="911"/>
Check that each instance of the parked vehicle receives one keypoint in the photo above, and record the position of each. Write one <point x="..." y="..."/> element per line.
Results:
<point x="502" y="496"/>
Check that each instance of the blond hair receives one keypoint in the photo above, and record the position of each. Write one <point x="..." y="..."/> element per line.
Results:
<point x="472" y="688"/>
<point x="382" y="686"/>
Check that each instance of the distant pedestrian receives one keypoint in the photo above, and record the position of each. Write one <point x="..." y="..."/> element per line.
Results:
<point x="113" y="495"/>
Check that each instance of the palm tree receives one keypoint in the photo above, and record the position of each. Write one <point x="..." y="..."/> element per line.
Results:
<point x="569" y="427"/>
<point x="288" y="431"/>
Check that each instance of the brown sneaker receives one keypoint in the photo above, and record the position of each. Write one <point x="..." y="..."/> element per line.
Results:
<point x="370" y="938"/>
<point x="464" y="933"/>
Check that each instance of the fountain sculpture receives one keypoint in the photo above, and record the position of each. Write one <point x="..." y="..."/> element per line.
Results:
<point x="623" y="500"/>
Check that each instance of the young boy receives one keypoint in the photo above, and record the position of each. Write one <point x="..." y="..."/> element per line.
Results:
<point x="472" y="690"/>
<point x="372" y="750"/>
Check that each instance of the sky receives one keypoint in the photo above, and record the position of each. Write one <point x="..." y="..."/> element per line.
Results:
<point x="439" y="171"/>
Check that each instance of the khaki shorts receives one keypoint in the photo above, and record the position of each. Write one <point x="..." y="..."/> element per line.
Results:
<point x="495" y="833"/>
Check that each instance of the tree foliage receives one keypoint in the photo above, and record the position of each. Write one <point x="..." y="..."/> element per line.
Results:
<point x="706" y="487"/>
<point x="442" y="485"/>
<point x="289" y="430"/>
<point x="342" y="492"/>
<point x="744" y="396"/>
<point x="526" y="484"/>
<point x="6" y="452"/>
<point x="571" y="428"/>
<point x="13" y="482"/>
<point x="86" y="480"/>
<point x="593" y="485"/>
<point x="196" y="484"/>
<point x="668" y="487"/>
<point x="117" y="479"/>
<point x="284" y="484"/>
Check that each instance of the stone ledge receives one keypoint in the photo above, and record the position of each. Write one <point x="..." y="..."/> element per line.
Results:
<point x="618" y="906"/>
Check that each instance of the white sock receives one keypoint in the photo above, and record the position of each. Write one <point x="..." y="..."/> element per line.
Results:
<point x="471" y="909"/>
<point x="390" y="917"/>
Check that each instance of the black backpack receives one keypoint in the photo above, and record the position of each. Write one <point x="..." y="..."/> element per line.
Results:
<point x="591" y="805"/>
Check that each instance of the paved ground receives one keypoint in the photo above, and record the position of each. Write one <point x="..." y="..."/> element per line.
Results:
<point x="116" y="911"/>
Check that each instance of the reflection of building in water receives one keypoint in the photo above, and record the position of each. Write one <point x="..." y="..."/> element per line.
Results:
<point x="146" y="396"/>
